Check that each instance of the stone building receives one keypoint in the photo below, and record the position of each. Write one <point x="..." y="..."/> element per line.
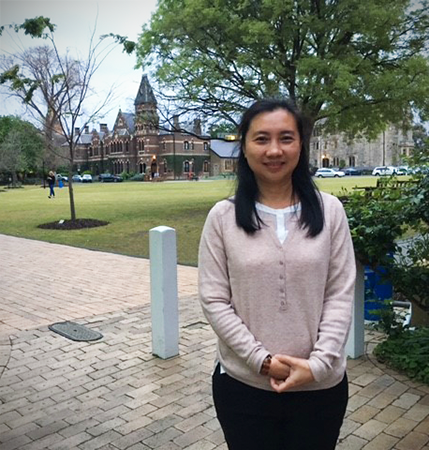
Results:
<point x="137" y="144"/>
<point x="337" y="150"/>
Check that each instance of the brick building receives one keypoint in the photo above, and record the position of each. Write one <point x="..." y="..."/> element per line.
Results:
<point x="136" y="144"/>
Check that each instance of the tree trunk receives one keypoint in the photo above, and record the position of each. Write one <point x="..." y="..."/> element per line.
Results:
<point x="308" y="125"/>
<point x="14" y="179"/>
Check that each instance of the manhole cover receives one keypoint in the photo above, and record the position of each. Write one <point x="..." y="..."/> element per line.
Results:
<point x="75" y="331"/>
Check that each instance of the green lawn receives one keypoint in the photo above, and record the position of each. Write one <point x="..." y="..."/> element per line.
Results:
<point x="131" y="208"/>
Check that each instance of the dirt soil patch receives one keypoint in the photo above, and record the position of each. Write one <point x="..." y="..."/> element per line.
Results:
<point x="77" y="224"/>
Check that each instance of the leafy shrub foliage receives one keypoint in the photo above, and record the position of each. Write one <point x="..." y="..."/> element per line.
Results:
<point x="407" y="351"/>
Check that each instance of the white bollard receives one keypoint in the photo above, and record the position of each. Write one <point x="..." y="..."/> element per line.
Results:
<point x="355" y="345"/>
<point x="163" y="287"/>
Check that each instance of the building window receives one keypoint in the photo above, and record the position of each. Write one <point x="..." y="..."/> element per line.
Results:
<point x="206" y="166"/>
<point x="165" y="166"/>
<point x="206" y="146"/>
<point x="228" y="164"/>
<point x="163" y="145"/>
<point x="127" y="148"/>
<point x="352" y="161"/>
<point x="192" y="145"/>
<point x="336" y="161"/>
<point x="186" y="145"/>
<point x="186" y="166"/>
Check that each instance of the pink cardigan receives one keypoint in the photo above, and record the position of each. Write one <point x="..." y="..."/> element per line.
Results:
<point x="261" y="296"/>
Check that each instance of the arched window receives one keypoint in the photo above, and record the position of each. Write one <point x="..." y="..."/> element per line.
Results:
<point x="352" y="161"/>
<point x="206" y="146"/>
<point x="186" y="145"/>
<point x="206" y="166"/>
<point x="186" y="166"/>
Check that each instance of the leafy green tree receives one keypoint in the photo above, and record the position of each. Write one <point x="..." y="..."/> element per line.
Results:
<point x="359" y="64"/>
<point x="21" y="146"/>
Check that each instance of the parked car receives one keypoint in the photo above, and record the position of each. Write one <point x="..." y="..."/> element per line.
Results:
<point x="77" y="178"/>
<point x="352" y="171"/>
<point x="62" y="177"/>
<point x="384" y="170"/>
<point x="109" y="178"/>
<point x="402" y="170"/>
<point x="329" y="173"/>
<point x="87" y="178"/>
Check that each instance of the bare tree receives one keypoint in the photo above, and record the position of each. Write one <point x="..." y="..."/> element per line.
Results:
<point x="56" y="88"/>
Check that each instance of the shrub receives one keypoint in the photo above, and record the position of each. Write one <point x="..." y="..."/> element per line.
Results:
<point x="138" y="177"/>
<point x="408" y="352"/>
<point x="127" y="175"/>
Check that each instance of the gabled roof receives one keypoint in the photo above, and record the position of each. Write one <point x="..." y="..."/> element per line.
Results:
<point x="225" y="149"/>
<point x="145" y="93"/>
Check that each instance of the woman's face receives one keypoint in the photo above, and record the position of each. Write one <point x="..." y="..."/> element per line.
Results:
<point x="272" y="147"/>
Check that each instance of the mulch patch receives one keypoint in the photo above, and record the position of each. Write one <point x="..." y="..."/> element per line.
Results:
<point x="77" y="224"/>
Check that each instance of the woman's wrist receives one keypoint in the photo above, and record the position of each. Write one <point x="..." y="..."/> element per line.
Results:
<point x="265" y="369"/>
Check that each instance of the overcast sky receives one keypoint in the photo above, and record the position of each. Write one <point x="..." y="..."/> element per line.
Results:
<point x="75" y="21"/>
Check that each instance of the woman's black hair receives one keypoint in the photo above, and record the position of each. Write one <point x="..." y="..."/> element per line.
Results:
<point x="304" y="188"/>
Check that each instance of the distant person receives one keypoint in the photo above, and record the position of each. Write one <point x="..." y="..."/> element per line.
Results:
<point x="51" y="182"/>
<point x="276" y="282"/>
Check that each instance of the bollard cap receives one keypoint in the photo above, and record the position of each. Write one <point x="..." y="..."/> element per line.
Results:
<point x="161" y="229"/>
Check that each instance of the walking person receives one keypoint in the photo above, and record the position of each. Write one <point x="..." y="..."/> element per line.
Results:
<point x="276" y="283"/>
<point x="51" y="182"/>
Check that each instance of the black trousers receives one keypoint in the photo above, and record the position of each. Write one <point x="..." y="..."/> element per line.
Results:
<point x="255" y="419"/>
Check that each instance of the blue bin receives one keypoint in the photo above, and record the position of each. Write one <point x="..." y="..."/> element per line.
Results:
<point x="377" y="291"/>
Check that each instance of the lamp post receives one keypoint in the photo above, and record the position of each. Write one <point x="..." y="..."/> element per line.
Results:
<point x="174" y="154"/>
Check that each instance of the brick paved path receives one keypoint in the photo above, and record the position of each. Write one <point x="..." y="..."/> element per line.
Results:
<point x="113" y="394"/>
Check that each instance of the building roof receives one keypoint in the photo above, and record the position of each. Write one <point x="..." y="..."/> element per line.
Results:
<point x="129" y="119"/>
<point x="225" y="149"/>
<point x="145" y="93"/>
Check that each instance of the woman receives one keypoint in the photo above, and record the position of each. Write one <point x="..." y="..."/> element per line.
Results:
<point x="276" y="282"/>
<point x="51" y="182"/>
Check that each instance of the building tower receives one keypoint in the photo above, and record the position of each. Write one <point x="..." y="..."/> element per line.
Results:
<point x="147" y="127"/>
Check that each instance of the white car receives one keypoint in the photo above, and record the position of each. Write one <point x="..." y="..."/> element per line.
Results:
<point x="329" y="173"/>
<point x="384" y="170"/>
<point x="87" y="178"/>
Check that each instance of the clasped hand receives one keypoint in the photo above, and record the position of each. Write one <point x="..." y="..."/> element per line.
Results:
<point x="287" y="372"/>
